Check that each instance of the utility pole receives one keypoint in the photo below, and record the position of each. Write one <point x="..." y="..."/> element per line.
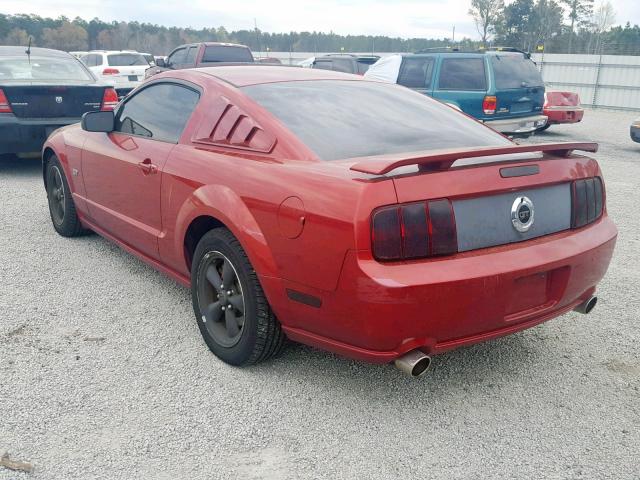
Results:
<point x="453" y="37"/>
<point x="255" y="24"/>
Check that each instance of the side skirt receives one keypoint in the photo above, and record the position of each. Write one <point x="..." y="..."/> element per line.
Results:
<point x="178" y="277"/>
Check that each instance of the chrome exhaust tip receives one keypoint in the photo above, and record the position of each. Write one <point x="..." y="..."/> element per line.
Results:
<point x="586" y="306"/>
<point x="414" y="363"/>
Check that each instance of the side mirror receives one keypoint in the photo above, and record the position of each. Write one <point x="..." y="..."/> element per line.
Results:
<point x="160" y="62"/>
<point x="98" y="122"/>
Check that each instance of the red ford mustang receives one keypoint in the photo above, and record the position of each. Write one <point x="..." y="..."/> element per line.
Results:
<point x="351" y="215"/>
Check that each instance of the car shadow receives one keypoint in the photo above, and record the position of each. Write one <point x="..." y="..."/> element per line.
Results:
<point x="479" y="368"/>
<point x="14" y="167"/>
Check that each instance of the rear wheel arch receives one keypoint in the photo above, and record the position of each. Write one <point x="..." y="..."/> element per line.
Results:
<point x="216" y="205"/>
<point x="197" y="229"/>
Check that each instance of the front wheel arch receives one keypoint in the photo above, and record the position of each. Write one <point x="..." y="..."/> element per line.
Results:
<point x="46" y="156"/>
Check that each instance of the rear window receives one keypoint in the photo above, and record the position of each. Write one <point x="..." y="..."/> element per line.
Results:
<point x="345" y="119"/>
<point x="42" y="68"/>
<point x="462" y="74"/>
<point x="126" y="60"/>
<point x="416" y="72"/>
<point x="515" y="71"/>
<point x="345" y="65"/>
<point x="363" y="64"/>
<point x="219" y="53"/>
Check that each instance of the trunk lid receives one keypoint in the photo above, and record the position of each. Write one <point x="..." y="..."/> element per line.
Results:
<point x="35" y="100"/>
<point x="486" y="187"/>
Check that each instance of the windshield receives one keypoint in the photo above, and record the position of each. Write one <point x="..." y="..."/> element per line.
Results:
<point x="126" y="60"/>
<point x="42" y="68"/>
<point x="344" y="119"/>
<point x="515" y="71"/>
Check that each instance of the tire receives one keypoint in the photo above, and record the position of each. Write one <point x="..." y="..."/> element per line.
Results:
<point x="257" y="334"/>
<point x="61" y="207"/>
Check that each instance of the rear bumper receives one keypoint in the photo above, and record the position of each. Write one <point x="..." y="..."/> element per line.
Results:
<point x="563" y="114"/>
<point x="379" y="312"/>
<point x="634" y="132"/>
<point x="518" y="125"/>
<point x="27" y="135"/>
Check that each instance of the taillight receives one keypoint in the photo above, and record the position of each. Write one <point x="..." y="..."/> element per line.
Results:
<point x="587" y="201"/>
<point x="489" y="105"/>
<point x="5" y="107"/>
<point x="109" y="100"/>
<point x="414" y="230"/>
<point x="110" y="71"/>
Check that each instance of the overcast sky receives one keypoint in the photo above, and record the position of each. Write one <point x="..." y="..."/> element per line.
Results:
<point x="403" y="18"/>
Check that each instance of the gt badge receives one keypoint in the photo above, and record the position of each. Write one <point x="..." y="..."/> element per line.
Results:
<point x="522" y="214"/>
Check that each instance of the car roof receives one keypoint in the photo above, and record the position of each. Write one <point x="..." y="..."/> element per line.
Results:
<point x="212" y="44"/>
<point x="347" y="55"/>
<point x="250" y="74"/>
<point x="110" y="52"/>
<point x="44" y="52"/>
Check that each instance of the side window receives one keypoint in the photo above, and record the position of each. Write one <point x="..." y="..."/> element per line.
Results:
<point x="191" y="56"/>
<point x="416" y="72"/>
<point x="462" y="74"/>
<point x="159" y="111"/>
<point x="343" y="65"/>
<point x="97" y="60"/>
<point x="322" y="64"/>
<point x="177" y="57"/>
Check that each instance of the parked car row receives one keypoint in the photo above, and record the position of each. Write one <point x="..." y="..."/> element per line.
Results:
<point x="502" y="88"/>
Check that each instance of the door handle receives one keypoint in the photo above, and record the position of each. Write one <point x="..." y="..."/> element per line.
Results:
<point x="147" y="167"/>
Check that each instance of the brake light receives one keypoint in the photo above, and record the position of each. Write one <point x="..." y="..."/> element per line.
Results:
<point x="110" y="71"/>
<point x="587" y="201"/>
<point x="489" y="105"/>
<point x="414" y="230"/>
<point x="109" y="100"/>
<point x="5" y="107"/>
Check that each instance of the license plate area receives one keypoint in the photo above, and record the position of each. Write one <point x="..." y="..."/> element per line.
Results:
<point x="133" y="78"/>
<point x="532" y="294"/>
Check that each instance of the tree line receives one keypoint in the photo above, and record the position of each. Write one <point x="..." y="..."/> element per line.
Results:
<point x="539" y="25"/>
<point x="524" y="24"/>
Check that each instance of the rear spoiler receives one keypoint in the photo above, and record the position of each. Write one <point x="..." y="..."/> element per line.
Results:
<point x="443" y="159"/>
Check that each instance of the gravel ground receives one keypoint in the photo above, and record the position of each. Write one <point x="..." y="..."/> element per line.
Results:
<point x="103" y="373"/>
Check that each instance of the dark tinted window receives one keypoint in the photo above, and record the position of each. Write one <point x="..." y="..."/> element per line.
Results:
<point x="363" y="64"/>
<point x="416" y="72"/>
<point x="177" y="57"/>
<point x="462" y="74"/>
<point x="221" y="53"/>
<point x="159" y="111"/>
<point x="515" y="71"/>
<point x="191" y="56"/>
<point x="343" y="119"/>
<point x="323" y="64"/>
<point x="126" y="59"/>
<point x="343" y="65"/>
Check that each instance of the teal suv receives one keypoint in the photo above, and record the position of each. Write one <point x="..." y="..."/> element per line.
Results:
<point x="503" y="89"/>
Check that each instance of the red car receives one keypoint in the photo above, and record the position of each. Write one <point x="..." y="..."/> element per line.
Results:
<point x="562" y="107"/>
<point x="355" y="216"/>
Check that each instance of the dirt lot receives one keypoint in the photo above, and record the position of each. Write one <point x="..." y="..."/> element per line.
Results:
<point x="103" y="373"/>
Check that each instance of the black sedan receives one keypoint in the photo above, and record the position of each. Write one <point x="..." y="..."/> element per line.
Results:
<point x="42" y="90"/>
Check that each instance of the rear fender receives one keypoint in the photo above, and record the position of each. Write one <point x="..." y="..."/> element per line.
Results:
<point x="223" y="204"/>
